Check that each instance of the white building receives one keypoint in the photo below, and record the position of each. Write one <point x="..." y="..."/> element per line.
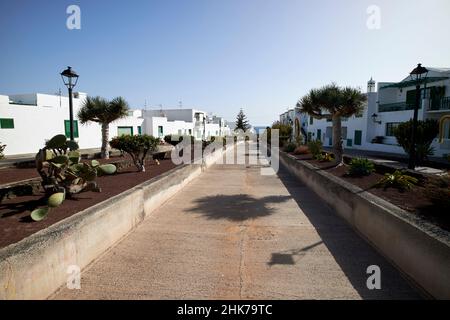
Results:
<point x="27" y="120"/>
<point x="386" y="107"/>
<point x="297" y="120"/>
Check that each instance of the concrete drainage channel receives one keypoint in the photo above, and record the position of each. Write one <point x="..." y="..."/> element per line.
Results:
<point x="417" y="248"/>
<point x="37" y="266"/>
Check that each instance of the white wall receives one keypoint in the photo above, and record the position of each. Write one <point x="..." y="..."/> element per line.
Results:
<point x="35" y="124"/>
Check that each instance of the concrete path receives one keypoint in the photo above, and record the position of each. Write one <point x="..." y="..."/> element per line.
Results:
<point x="234" y="234"/>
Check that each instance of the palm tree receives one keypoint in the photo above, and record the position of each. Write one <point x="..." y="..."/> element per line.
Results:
<point x="333" y="102"/>
<point x="102" y="111"/>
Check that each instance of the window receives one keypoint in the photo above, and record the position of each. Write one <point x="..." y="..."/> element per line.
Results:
<point x="358" y="137"/>
<point x="349" y="142"/>
<point x="160" y="131"/>
<point x="311" y="120"/>
<point x="390" y="127"/>
<point x="67" y="128"/>
<point x="6" y="123"/>
<point x="139" y="130"/>
<point x="121" y="131"/>
<point x="319" y="134"/>
<point x="190" y="132"/>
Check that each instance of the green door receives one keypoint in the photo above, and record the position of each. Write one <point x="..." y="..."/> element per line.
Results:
<point x="319" y="134"/>
<point x="358" y="137"/>
<point x="67" y="128"/>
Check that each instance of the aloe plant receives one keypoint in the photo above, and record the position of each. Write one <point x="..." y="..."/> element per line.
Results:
<point x="63" y="174"/>
<point x="398" y="180"/>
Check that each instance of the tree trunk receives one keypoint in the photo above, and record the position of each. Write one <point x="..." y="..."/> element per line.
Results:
<point x="337" y="139"/>
<point x="105" y="141"/>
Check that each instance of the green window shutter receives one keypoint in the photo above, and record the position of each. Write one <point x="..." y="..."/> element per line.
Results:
<point x="311" y="120"/>
<point x="160" y="131"/>
<point x="349" y="142"/>
<point x="139" y="130"/>
<point x="6" y="123"/>
<point x="319" y="134"/>
<point x="358" y="137"/>
<point x="67" y="128"/>
<point x="121" y="131"/>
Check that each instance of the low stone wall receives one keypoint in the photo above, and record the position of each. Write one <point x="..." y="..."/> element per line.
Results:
<point x="417" y="248"/>
<point x="37" y="266"/>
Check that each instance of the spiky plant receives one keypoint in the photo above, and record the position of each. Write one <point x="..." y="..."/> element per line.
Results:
<point x="398" y="180"/>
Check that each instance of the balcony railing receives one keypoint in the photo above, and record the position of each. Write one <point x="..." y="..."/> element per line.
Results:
<point x="443" y="104"/>
<point x="398" y="106"/>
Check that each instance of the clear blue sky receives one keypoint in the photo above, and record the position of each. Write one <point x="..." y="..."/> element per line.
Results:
<point x="219" y="55"/>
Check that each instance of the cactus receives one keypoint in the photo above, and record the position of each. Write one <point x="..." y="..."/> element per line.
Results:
<point x="2" y="148"/>
<point x="62" y="173"/>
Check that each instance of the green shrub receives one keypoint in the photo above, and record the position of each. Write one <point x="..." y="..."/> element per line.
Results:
<point x="301" y="150"/>
<point x="426" y="131"/>
<point x="2" y="148"/>
<point x="62" y="173"/>
<point x="361" y="167"/>
<point x="137" y="147"/>
<point x="315" y="147"/>
<point x="284" y="133"/>
<point x="398" y="180"/>
<point x="290" y="147"/>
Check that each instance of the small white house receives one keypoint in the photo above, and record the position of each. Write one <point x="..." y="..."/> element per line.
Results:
<point x="27" y="120"/>
<point x="392" y="103"/>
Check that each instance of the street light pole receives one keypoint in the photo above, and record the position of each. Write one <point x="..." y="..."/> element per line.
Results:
<point x="71" y="114"/>
<point x="70" y="79"/>
<point x="416" y="74"/>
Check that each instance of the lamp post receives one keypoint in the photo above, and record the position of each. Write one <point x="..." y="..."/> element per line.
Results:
<point x="418" y="75"/>
<point x="375" y="118"/>
<point x="70" y="79"/>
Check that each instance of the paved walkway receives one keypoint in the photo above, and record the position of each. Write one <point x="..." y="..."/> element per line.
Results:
<point x="234" y="234"/>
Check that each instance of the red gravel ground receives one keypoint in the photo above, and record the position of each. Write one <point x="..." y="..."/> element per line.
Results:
<point x="8" y="175"/>
<point x="15" y="223"/>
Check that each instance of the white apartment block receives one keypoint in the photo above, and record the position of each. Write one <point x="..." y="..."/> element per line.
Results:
<point x="298" y="121"/>
<point x="27" y="120"/>
<point x="387" y="106"/>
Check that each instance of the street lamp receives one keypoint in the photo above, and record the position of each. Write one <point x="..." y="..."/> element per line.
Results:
<point x="419" y="75"/>
<point x="374" y="118"/>
<point x="70" y="79"/>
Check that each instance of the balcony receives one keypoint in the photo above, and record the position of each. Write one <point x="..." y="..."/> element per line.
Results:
<point x="440" y="105"/>
<point x="398" y="106"/>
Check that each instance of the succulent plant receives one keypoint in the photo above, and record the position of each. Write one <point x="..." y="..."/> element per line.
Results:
<point x="63" y="174"/>
<point x="398" y="180"/>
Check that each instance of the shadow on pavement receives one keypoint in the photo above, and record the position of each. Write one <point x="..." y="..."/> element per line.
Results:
<point x="352" y="253"/>
<point x="239" y="207"/>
